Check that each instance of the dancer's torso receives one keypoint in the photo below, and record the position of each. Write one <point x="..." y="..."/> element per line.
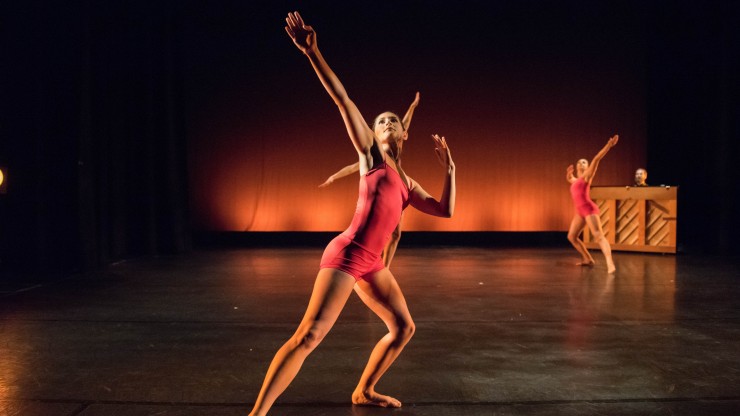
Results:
<point x="579" y="191"/>
<point x="382" y="198"/>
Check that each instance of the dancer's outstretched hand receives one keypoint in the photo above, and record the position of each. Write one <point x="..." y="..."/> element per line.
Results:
<point x="442" y="151"/>
<point x="613" y="140"/>
<point x="415" y="103"/>
<point x="327" y="182"/>
<point x="303" y="35"/>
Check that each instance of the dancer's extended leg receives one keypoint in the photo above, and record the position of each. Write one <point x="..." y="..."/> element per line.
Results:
<point x="330" y="293"/>
<point x="384" y="297"/>
<point x="594" y="224"/>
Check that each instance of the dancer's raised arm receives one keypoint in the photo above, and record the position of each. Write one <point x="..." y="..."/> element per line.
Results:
<point x="410" y="112"/>
<point x="588" y="175"/>
<point x="362" y="137"/>
<point x="424" y="202"/>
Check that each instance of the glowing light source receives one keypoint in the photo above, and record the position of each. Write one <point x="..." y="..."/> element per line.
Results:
<point x="3" y="187"/>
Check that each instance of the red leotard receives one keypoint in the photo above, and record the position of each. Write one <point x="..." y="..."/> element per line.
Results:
<point x="357" y="251"/>
<point x="579" y="191"/>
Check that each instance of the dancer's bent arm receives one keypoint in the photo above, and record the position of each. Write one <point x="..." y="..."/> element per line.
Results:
<point x="569" y="174"/>
<point x="424" y="202"/>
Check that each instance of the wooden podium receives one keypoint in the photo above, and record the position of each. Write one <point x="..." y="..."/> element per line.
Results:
<point x="637" y="218"/>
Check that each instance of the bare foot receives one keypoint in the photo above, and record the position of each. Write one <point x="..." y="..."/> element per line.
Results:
<point x="587" y="263"/>
<point x="611" y="269"/>
<point x="374" y="399"/>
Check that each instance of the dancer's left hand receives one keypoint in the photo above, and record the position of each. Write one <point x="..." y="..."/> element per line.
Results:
<point x="443" y="152"/>
<point x="302" y="34"/>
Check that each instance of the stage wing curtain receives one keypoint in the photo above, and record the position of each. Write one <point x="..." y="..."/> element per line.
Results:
<point x="93" y="138"/>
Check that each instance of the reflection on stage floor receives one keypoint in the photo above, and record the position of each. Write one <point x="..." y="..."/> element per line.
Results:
<point x="499" y="331"/>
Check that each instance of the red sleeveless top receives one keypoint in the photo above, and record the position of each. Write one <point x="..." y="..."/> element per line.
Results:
<point x="579" y="191"/>
<point x="383" y="197"/>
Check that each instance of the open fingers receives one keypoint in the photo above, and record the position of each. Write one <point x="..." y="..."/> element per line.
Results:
<point x="439" y="141"/>
<point x="295" y="21"/>
<point x="440" y="145"/>
<point x="291" y="25"/>
<point x="291" y="21"/>
<point x="441" y="150"/>
<point x="298" y="18"/>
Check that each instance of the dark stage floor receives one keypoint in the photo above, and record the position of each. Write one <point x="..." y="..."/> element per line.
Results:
<point x="499" y="332"/>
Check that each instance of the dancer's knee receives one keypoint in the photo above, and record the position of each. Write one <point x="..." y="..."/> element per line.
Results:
<point x="404" y="330"/>
<point x="308" y="339"/>
<point x="573" y="238"/>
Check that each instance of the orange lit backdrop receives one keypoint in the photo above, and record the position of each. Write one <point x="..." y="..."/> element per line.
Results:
<point x="511" y="153"/>
<point x="263" y="133"/>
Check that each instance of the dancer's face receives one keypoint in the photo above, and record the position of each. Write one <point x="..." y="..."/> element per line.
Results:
<point x="389" y="129"/>
<point x="581" y="166"/>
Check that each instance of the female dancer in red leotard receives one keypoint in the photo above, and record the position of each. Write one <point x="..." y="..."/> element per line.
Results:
<point x="390" y="249"/>
<point x="586" y="211"/>
<point x="352" y="260"/>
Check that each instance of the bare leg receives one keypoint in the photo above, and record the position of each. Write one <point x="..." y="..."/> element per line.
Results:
<point x="330" y="293"/>
<point x="384" y="297"/>
<point x="576" y="226"/>
<point x="594" y="224"/>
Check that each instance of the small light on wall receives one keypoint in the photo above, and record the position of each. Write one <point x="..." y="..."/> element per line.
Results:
<point x="3" y="183"/>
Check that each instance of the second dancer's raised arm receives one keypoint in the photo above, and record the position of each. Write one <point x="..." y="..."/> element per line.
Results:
<point x="350" y="169"/>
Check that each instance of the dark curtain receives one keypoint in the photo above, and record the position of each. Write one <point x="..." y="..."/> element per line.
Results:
<point x="92" y="137"/>
<point x="694" y="118"/>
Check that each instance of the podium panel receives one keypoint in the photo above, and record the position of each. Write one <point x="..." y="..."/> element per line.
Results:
<point x="637" y="218"/>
